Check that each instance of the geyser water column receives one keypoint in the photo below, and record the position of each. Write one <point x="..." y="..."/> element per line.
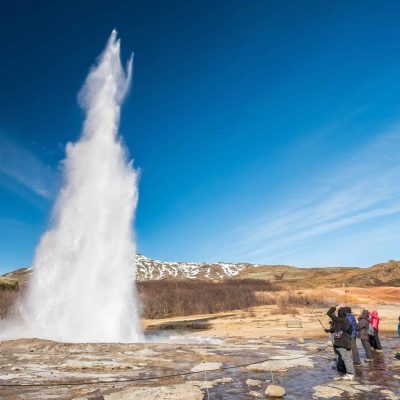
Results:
<point x="83" y="283"/>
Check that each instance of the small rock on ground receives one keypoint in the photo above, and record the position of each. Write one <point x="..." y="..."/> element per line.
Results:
<point x="389" y="395"/>
<point x="205" y="366"/>
<point x="255" y="394"/>
<point x="209" y="384"/>
<point x="337" y="388"/>
<point x="253" y="382"/>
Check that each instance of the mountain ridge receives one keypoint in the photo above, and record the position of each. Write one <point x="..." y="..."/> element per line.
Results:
<point x="383" y="274"/>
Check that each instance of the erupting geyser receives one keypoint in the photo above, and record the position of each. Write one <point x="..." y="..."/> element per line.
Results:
<point x="83" y="283"/>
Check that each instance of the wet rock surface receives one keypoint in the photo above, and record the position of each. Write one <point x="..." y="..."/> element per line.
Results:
<point x="39" y="369"/>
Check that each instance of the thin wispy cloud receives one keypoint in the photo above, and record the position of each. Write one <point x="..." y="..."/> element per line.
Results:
<point x="360" y="188"/>
<point x="22" y="166"/>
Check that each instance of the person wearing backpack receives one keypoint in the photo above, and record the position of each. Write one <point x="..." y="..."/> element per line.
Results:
<point x="362" y="331"/>
<point x="342" y="341"/>
<point x="354" y="349"/>
<point x="375" y="341"/>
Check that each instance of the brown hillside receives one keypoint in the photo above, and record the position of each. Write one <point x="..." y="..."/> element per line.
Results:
<point x="293" y="276"/>
<point x="385" y="274"/>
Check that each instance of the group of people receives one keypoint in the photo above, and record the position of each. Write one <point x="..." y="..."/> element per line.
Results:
<point x="345" y="329"/>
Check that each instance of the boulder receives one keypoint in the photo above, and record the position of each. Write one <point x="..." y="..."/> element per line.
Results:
<point x="275" y="391"/>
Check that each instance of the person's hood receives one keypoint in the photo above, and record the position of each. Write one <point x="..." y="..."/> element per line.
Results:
<point x="365" y="314"/>
<point x="347" y="310"/>
<point x="342" y="312"/>
<point x="375" y="314"/>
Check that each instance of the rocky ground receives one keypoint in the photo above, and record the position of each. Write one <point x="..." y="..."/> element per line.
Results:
<point x="202" y="357"/>
<point x="38" y="369"/>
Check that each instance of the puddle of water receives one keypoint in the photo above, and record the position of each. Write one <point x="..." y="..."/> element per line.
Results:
<point x="299" y="382"/>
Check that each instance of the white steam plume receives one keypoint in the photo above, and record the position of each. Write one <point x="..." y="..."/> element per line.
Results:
<point x="83" y="284"/>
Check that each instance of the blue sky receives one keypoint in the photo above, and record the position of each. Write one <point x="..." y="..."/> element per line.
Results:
<point x="265" y="131"/>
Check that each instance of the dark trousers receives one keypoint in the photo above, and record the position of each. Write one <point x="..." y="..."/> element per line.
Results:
<point x="367" y="348"/>
<point x="340" y="366"/>
<point x="375" y="341"/>
<point x="354" y="351"/>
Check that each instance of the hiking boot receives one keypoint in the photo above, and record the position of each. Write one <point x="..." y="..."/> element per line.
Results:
<point x="348" y="377"/>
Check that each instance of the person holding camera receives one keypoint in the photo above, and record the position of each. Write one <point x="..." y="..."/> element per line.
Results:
<point x="342" y="341"/>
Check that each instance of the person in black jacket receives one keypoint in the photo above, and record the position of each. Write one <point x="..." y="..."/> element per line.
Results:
<point x="342" y="341"/>
<point x="340" y="367"/>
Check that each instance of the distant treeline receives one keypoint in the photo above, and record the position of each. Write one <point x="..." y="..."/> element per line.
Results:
<point x="163" y="298"/>
<point x="168" y="298"/>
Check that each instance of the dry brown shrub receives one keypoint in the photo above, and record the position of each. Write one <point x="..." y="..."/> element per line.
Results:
<point x="267" y="299"/>
<point x="166" y="298"/>
<point x="8" y="298"/>
<point x="286" y="303"/>
<point x="285" y="308"/>
<point x="304" y="300"/>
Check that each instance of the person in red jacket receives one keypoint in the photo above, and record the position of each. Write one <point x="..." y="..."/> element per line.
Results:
<point x="374" y="339"/>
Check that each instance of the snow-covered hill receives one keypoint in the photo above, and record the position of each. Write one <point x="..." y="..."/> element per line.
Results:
<point x="148" y="268"/>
